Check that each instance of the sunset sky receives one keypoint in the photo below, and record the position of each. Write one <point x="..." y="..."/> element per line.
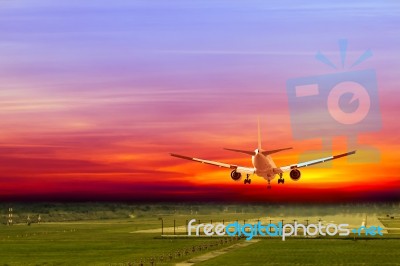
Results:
<point x="96" y="94"/>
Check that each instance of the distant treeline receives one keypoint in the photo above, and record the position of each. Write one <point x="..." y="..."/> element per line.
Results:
<point x="74" y="211"/>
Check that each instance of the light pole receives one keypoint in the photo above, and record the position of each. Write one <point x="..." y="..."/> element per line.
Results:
<point x="10" y="216"/>
<point x="162" y="225"/>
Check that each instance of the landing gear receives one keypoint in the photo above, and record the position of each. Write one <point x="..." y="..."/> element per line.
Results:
<point x="247" y="180"/>
<point x="269" y="184"/>
<point x="281" y="180"/>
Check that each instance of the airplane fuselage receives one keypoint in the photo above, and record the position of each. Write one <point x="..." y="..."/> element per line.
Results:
<point x="263" y="165"/>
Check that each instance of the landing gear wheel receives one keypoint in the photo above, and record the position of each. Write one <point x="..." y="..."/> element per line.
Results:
<point x="247" y="180"/>
<point x="281" y="180"/>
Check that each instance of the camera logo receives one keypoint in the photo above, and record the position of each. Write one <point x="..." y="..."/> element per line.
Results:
<point x="357" y="93"/>
<point x="344" y="103"/>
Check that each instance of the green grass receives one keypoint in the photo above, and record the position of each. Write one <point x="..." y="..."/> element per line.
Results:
<point x="111" y="241"/>
<point x="89" y="242"/>
<point x="94" y="243"/>
<point x="313" y="252"/>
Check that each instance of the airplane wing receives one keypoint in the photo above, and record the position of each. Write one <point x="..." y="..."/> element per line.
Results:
<point x="241" y="169"/>
<point x="309" y="163"/>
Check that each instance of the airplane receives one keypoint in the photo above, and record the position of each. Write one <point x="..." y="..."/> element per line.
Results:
<point x="263" y="165"/>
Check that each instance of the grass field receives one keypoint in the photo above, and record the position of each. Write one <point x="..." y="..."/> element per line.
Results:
<point x="313" y="252"/>
<point x="100" y="242"/>
<point x="117" y="242"/>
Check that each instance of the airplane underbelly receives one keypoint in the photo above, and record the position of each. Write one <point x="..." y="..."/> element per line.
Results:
<point x="264" y="167"/>
<point x="260" y="164"/>
<point x="261" y="167"/>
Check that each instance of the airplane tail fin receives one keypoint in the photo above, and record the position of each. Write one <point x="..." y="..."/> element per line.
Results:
<point x="259" y="146"/>
<point x="259" y="135"/>
<point x="250" y="152"/>
<point x="259" y="143"/>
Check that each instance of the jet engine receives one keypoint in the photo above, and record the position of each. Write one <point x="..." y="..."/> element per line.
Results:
<point x="295" y="174"/>
<point x="236" y="176"/>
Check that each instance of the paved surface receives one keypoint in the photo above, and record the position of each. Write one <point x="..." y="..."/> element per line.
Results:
<point x="216" y="253"/>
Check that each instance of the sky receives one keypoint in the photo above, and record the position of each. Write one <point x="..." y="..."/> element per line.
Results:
<point x="96" y="94"/>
